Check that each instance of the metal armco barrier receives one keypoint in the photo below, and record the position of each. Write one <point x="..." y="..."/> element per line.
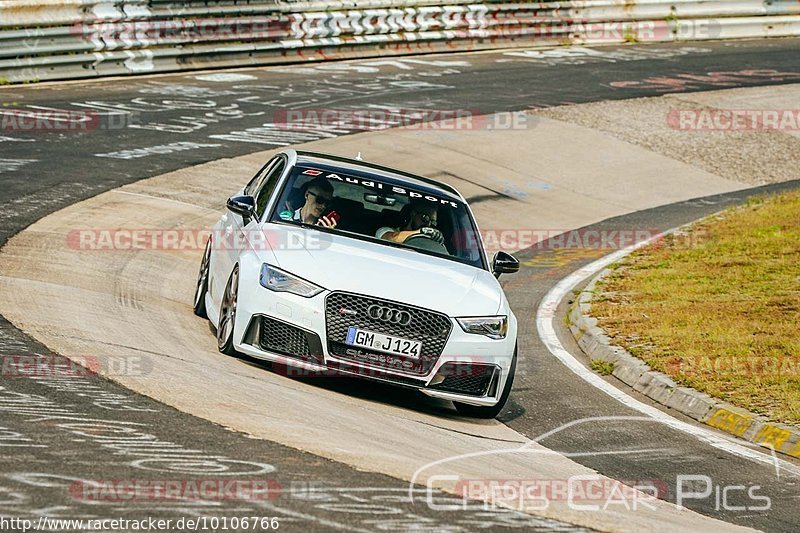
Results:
<point x="68" y="39"/>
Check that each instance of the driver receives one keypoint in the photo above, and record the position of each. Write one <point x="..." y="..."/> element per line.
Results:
<point x="421" y="220"/>
<point x="318" y="197"/>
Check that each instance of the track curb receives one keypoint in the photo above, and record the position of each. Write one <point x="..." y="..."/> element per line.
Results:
<point x="660" y="388"/>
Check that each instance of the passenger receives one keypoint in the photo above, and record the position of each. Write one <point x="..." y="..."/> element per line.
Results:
<point x="318" y="197"/>
<point x="420" y="220"/>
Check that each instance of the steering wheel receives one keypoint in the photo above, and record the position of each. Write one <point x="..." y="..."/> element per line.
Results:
<point x="427" y="238"/>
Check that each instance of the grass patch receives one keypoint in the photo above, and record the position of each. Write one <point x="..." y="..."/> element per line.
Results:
<point x="604" y="368"/>
<point x="718" y="307"/>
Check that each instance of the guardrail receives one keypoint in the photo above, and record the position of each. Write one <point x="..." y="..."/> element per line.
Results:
<point x="68" y="39"/>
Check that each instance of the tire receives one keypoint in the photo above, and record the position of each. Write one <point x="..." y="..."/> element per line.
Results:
<point x="227" y="315"/>
<point x="202" y="283"/>
<point x="475" y="411"/>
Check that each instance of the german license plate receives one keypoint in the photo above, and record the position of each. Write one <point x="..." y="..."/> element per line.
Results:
<point x="384" y="343"/>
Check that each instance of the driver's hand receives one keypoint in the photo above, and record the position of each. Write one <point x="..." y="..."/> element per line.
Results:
<point x="433" y="234"/>
<point x="327" y="222"/>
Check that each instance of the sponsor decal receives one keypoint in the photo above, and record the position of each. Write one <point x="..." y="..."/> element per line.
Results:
<point x="384" y="187"/>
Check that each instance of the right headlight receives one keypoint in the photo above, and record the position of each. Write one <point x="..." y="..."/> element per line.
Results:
<point x="494" y="327"/>
<point x="280" y="281"/>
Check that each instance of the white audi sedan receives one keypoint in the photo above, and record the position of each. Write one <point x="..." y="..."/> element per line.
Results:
<point x="329" y="265"/>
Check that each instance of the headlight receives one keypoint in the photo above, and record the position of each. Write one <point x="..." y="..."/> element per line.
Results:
<point x="280" y="281"/>
<point x="494" y="327"/>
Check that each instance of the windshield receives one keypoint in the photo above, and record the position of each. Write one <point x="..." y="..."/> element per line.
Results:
<point x="372" y="209"/>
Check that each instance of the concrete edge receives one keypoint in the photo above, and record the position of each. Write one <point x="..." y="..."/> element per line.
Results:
<point x="662" y="389"/>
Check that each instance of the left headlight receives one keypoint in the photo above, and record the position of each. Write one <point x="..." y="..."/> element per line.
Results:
<point x="494" y="327"/>
<point x="277" y="280"/>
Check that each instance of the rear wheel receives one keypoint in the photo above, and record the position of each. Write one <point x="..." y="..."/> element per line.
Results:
<point x="475" y="411"/>
<point x="227" y="315"/>
<point x="202" y="283"/>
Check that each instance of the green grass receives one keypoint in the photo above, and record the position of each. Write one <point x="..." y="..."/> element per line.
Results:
<point x="718" y="308"/>
<point x="604" y="368"/>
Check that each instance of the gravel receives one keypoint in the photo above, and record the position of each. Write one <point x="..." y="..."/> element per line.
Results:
<point x="751" y="157"/>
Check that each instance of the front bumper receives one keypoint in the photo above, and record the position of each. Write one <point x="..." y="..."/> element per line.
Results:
<point x="292" y="331"/>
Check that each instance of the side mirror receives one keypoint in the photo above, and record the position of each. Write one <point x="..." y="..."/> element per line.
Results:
<point x="242" y="205"/>
<point x="504" y="263"/>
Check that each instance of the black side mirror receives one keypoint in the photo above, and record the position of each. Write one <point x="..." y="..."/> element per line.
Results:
<point x="504" y="263"/>
<point x="242" y="205"/>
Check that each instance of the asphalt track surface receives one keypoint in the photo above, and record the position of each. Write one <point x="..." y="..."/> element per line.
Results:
<point x="170" y="122"/>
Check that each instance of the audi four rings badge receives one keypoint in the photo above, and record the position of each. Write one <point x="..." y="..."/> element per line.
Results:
<point x="387" y="314"/>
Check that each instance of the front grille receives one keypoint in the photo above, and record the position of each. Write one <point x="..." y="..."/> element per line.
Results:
<point x="285" y="339"/>
<point x="465" y="378"/>
<point x="343" y="310"/>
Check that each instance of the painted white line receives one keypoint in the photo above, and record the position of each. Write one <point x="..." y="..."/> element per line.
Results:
<point x="545" y="324"/>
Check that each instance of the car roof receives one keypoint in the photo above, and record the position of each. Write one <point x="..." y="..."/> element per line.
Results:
<point x="363" y="169"/>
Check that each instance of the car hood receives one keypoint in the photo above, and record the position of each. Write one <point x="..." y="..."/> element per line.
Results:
<point x="339" y="263"/>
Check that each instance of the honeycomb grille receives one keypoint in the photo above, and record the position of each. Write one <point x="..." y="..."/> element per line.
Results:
<point x="469" y="379"/>
<point x="282" y="338"/>
<point x="343" y="310"/>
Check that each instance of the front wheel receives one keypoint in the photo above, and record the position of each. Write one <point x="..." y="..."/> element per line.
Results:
<point x="227" y="315"/>
<point x="475" y="411"/>
<point x="202" y="284"/>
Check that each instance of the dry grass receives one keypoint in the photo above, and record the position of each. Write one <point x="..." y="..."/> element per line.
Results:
<point x="718" y="308"/>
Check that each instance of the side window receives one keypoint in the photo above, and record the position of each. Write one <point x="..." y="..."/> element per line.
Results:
<point x="254" y="184"/>
<point x="267" y="186"/>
